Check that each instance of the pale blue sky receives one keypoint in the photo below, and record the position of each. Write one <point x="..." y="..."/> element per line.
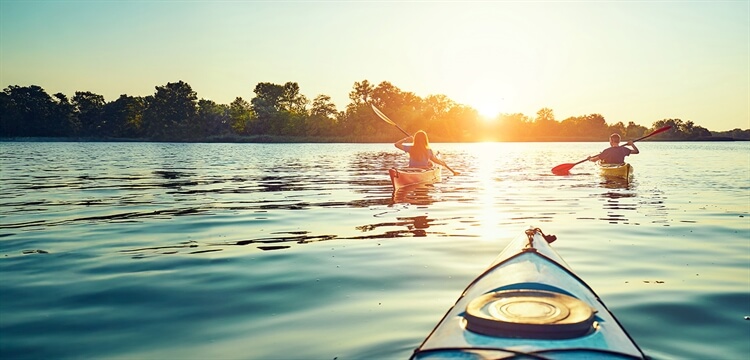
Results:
<point x="638" y="61"/>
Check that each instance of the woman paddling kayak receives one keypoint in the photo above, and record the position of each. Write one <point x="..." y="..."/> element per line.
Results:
<point x="420" y="153"/>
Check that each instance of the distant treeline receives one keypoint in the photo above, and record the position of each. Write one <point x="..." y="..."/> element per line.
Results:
<point x="281" y="113"/>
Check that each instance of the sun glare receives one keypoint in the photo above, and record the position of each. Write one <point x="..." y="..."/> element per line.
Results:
<point x="489" y="110"/>
<point x="489" y="107"/>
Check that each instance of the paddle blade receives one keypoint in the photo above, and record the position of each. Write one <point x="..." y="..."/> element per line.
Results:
<point x="660" y="130"/>
<point x="388" y="120"/>
<point x="562" y="169"/>
<point x="382" y="116"/>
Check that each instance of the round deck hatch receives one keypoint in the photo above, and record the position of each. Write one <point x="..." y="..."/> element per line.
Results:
<point x="535" y="314"/>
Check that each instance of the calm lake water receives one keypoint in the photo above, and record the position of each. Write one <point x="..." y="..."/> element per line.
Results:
<point x="301" y="251"/>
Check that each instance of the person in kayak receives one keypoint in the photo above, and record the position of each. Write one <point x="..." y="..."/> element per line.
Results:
<point x="420" y="153"/>
<point x="615" y="154"/>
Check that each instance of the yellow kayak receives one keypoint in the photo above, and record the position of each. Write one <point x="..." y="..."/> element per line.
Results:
<point x="623" y="171"/>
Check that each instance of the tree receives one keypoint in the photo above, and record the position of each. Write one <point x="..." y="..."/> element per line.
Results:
<point x="545" y="124"/>
<point x="692" y="131"/>
<point x="267" y="107"/>
<point x="356" y="112"/>
<point x="27" y="111"/>
<point x="436" y="110"/>
<point x="362" y="93"/>
<point x="322" y="119"/>
<point x="294" y="110"/>
<point x="214" y="119"/>
<point x="240" y="116"/>
<point x="170" y="112"/>
<point x="461" y="122"/>
<point x="268" y="97"/>
<point x="404" y="106"/>
<point x="618" y="128"/>
<point x="545" y="115"/>
<point x="89" y="108"/>
<point x="64" y="116"/>
<point x="735" y="133"/>
<point x="569" y="127"/>
<point x="595" y="125"/>
<point x="389" y="96"/>
<point x="292" y="101"/>
<point x="681" y="130"/>
<point x="123" y="118"/>
<point x="514" y="127"/>
<point x="634" y="131"/>
<point x="673" y="133"/>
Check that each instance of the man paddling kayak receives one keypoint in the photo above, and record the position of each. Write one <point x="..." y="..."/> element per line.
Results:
<point x="615" y="154"/>
<point x="563" y="169"/>
<point x="420" y="153"/>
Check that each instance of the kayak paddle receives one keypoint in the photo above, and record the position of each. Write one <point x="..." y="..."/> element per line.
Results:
<point x="386" y="119"/>
<point x="563" y="169"/>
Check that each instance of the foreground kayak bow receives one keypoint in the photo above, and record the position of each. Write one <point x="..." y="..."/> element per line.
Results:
<point x="528" y="305"/>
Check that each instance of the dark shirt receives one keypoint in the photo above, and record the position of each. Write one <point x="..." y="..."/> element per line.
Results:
<point x="614" y="155"/>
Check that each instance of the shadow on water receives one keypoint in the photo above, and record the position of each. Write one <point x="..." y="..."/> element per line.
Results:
<point x="414" y="195"/>
<point x="415" y="226"/>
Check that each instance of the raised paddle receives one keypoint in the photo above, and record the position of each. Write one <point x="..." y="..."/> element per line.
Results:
<point x="388" y="120"/>
<point x="563" y="169"/>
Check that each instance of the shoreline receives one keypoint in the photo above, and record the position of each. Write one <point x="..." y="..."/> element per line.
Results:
<point x="270" y="139"/>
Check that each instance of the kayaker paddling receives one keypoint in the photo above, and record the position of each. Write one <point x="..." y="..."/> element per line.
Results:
<point x="615" y="154"/>
<point x="421" y="168"/>
<point x="563" y="169"/>
<point x="420" y="153"/>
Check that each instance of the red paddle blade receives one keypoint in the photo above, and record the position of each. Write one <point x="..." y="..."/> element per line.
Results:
<point x="660" y="130"/>
<point x="562" y="169"/>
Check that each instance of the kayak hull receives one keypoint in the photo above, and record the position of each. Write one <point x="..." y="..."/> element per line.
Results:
<point x="622" y="171"/>
<point x="528" y="301"/>
<point x="404" y="177"/>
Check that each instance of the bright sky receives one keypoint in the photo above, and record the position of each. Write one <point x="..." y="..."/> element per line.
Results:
<point x="639" y="61"/>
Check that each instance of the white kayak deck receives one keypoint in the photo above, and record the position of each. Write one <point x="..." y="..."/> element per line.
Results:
<point x="537" y="268"/>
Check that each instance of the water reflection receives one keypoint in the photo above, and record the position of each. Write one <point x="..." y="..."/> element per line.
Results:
<point x="414" y="195"/>
<point x="408" y="226"/>
<point x="85" y="228"/>
<point x="276" y="241"/>
<point x="279" y="190"/>
<point x="416" y="226"/>
<point x="616" y="183"/>
<point x="616" y="205"/>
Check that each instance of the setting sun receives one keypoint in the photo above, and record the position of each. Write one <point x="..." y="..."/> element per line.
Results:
<point x="489" y="100"/>
<point x="489" y="110"/>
